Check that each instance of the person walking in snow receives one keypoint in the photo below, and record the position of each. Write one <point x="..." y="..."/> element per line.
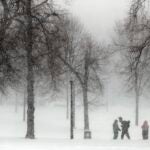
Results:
<point x="116" y="129"/>
<point x="145" y="128"/>
<point x="124" y="128"/>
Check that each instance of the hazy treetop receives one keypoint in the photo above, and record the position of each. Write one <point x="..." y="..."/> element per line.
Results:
<point x="98" y="16"/>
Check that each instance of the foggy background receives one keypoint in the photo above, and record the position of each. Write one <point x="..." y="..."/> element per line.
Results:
<point x="54" y="112"/>
<point x="100" y="16"/>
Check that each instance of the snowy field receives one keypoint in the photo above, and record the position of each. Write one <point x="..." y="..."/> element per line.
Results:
<point x="52" y="129"/>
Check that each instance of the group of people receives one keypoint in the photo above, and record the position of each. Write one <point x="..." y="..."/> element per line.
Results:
<point x="125" y="129"/>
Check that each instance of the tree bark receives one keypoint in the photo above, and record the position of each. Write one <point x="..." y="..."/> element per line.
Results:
<point x="24" y="106"/>
<point x="67" y="95"/>
<point x="30" y="75"/>
<point x="74" y="104"/>
<point x="137" y="110"/>
<point x="3" y="27"/>
<point x="87" y="133"/>
<point x="85" y="103"/>
<point x="71" y="111"/>
<point x="136" y="100"/>
<point x="84" y="84"/>
<point x="16" y="103"/>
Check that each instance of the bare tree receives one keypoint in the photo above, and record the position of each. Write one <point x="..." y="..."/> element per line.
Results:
<point x="43" y="26"/>
<point x="29" y="23"/>
<point x="40" y="48"/>
<point x="139" y="36"/>
<point x="134" y="40"/>
<point x="86" y="56"/>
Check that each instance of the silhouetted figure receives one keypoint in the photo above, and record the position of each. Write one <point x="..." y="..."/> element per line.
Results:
<point x="145" y="128"/>
<point x="116" y="129"/>
<point x="124" y="128"/>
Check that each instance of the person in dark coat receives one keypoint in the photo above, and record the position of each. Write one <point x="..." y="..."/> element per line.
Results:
<point x="116" y="129"/>
<point x="145" y="128"/>
<point x="124" y="128"/>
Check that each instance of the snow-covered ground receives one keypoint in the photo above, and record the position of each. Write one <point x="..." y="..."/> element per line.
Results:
<point x="52" y="129"/>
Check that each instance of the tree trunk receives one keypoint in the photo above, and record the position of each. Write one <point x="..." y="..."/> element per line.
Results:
<point x="137" y="106"/>
<point x="67" y="101"/>
<point x="71" y="111"/>
<point x="86" y="115"/>
<point x="85" y="91"/>
<point x="30" y="75"/>
<point x="24" y="106"/>
<point x="87" y="133"/>
<point x="74" y="105"/>
<point x="16" y="103"/>
<point x="137" y="110"/>
<point x="136" y="100"/>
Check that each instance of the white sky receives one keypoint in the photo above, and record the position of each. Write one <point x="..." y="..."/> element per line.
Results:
<point x="99" y="16"/>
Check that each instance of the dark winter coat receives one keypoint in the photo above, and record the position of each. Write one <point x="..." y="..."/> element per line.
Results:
<point x="145" y="128"/>
<point x="116" y="128"/>
<point x="125" y="126"/>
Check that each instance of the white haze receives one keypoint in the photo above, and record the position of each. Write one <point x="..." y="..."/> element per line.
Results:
<point x="100" y="16"/>
<point x="52" y="129"/>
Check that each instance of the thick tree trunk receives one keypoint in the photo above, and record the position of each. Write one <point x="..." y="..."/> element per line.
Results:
<point x="30" y="104"/>
<point x="30" y="75"/>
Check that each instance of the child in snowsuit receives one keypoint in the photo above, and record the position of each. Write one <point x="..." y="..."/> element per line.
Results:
<point x="145" y="128"/>
<point x="125" y="126"/>
<point x="116" y="129"/>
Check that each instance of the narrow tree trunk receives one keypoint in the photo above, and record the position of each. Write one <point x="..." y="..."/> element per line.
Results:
<point x="73" y="96"/>
<point x="86" y="114"/>
<point x="85" y="91"/>
<point x="137" y="110"/>
<point x="30" y="76"/>
<point x="71" y="111"/>
<point x="136" y="100"/>
<point x="136" y="106"/>
<point x="16" y="103"/>
<point x="24" y="107"/>
<point x="87" y="132"/>
<point x="67" y="101"/>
